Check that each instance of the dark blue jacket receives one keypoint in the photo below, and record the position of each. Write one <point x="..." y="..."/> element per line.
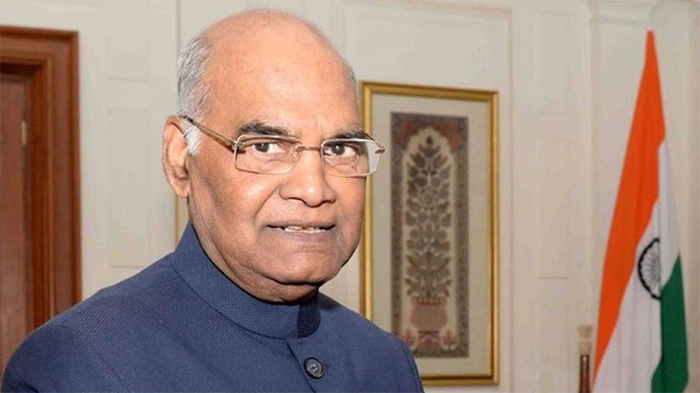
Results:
<point x="181" y="325"/>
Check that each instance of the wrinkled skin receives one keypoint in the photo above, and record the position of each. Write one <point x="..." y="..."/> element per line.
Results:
<point x="279" y="237"/>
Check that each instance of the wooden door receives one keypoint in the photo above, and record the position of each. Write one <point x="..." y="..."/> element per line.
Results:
<point x="39" y="182"/>
<point x="15" y="291"/>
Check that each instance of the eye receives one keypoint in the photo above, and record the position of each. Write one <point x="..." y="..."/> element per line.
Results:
<point x="262" y="147"/>
<point x="343" y="148"/>
<point x="337" y="149"/>
<point x="266" y="146"/>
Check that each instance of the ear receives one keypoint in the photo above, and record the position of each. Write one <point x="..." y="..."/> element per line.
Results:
<point x="175" y="157"/>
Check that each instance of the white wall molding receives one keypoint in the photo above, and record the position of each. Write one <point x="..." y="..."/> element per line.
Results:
<point x="636" y="12"/>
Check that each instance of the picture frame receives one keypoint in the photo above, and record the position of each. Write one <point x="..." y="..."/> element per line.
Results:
<point x="429" y="249"/>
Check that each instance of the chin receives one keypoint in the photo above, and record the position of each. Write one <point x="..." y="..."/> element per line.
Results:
<point x="294" y="293"/>
<point x="314" y="272"/>
<point x="293" y="289"/>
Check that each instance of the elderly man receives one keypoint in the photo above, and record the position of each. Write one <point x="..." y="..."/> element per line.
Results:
<point x="268" y="151"/>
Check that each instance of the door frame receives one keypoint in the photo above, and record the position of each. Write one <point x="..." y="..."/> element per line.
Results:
<point x="49" y="60"/>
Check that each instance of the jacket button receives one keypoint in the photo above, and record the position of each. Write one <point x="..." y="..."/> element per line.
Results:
<point x="314" y="368"/>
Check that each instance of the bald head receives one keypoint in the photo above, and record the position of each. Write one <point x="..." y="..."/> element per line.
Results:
<point x="260" y="23"/>
<point x="241" y="45"/>
<point x="269" y="77"/>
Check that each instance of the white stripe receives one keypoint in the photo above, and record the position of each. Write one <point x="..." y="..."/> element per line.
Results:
<point x="670" y="249"/>
<point x="635" y="346"/>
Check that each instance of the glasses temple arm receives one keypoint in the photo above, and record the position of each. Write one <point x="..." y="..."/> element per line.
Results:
<point x="231" y="145"/>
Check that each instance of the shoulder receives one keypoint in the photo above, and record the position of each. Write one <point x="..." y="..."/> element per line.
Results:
<point x="150" y="289"/>
<point x="56" y="358"/>
<point x="351" y="324"/>
<point x="67" y="353"/>
<point x="381" y="357"/>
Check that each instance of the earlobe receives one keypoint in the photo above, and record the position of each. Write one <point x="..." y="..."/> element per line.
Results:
<point x="175" y="157"/>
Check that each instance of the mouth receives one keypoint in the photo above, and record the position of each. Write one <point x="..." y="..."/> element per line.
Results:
<point x="304" y="229"/>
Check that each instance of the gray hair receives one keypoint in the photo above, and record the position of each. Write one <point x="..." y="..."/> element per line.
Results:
<point x="193" y="91"/>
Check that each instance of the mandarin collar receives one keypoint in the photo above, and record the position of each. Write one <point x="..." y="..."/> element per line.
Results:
<point x="276" y="320"/>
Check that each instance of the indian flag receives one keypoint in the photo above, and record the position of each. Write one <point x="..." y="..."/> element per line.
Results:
<point x="641" y="341"/>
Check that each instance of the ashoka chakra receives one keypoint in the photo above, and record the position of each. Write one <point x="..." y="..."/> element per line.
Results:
<point x="649" y="268"/>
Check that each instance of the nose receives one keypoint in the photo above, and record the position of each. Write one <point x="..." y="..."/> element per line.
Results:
<point x="307" y="181"/>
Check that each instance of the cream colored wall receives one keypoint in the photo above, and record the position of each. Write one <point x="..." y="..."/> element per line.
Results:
<point x="127" y="87"/>
<point x="567" y="73"/>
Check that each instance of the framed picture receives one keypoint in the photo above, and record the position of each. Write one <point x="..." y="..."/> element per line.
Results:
<point x="430" y="241"/>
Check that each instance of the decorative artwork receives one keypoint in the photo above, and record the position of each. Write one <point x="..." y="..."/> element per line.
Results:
<point x="430" y="237"/>
<point x="429" y="264"/>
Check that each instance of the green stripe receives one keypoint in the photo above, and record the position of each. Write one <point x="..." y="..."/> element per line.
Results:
<point x="671" y="374"/>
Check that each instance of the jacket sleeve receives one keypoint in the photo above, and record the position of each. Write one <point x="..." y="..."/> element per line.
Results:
<point x="418" y="384"/>
<point x="56" y="359"/>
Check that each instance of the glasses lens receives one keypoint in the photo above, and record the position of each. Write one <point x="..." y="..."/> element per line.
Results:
<point x="266" y="154"/>
<point x="277" y="155"/>
<point x="350" y="157"/>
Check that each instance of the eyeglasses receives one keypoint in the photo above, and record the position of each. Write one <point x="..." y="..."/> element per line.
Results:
<point x="274" y="154"/>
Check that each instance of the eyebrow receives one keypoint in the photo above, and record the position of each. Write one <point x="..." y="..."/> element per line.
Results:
<point x="260" y="128"/>
<point x="354" y="133"/>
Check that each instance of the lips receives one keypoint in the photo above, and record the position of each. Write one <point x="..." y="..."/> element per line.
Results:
<point x="309" y="229"/>
<point x="300" y="229"/>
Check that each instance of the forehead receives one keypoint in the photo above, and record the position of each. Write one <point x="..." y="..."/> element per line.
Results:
<point x="298" y="83"/>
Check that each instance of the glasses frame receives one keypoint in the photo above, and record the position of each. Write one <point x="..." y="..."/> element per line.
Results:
<point x="234" y="145"/>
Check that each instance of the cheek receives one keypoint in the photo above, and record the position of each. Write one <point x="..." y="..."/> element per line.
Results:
<point x="240" y="198"/>
<point x="230" y="200"/>
<point x="353" y="204"/>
